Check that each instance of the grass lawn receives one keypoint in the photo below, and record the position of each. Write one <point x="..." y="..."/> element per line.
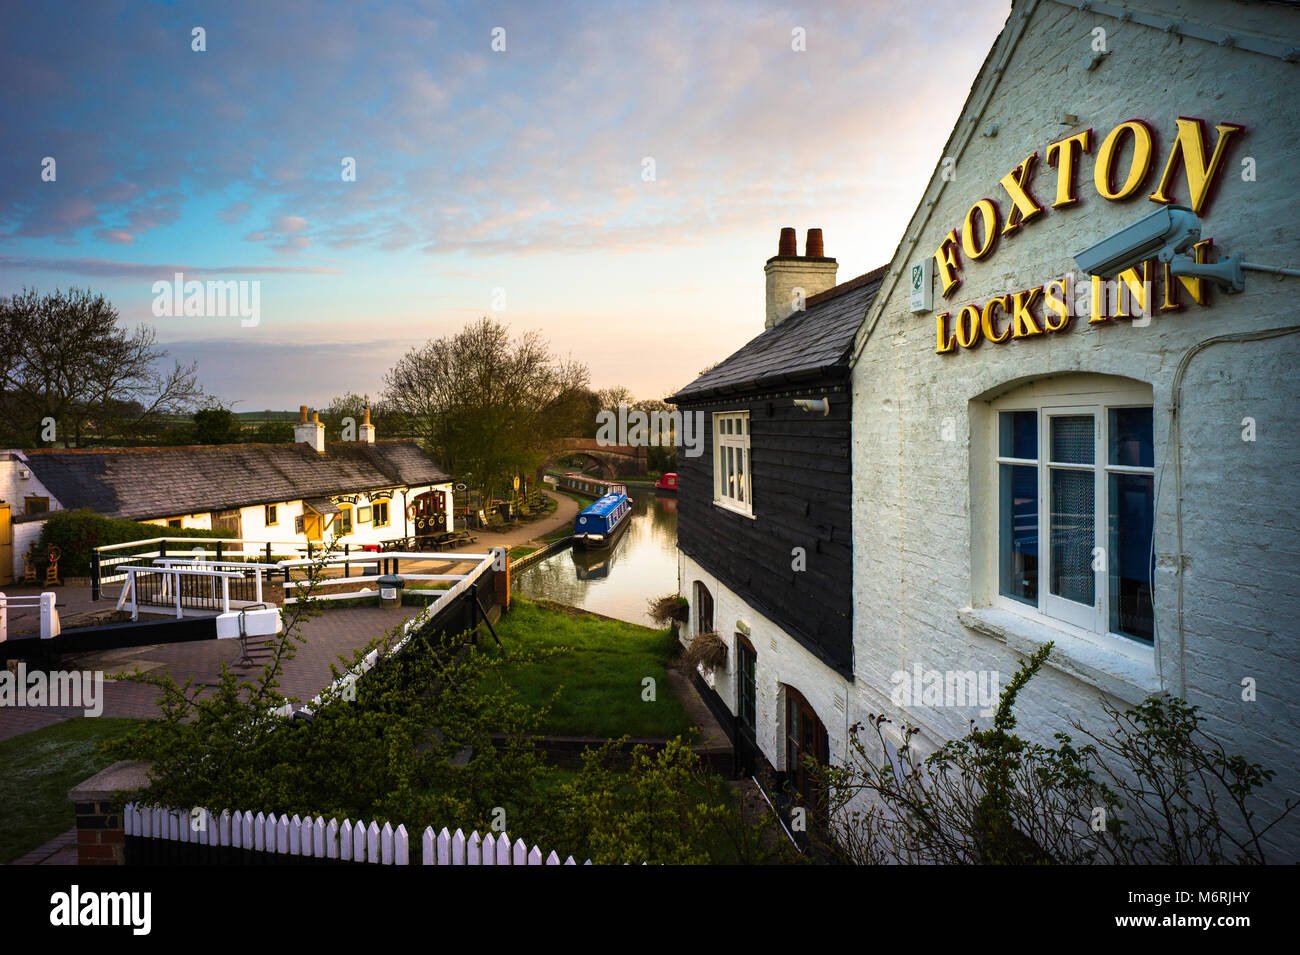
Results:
<point x="599" y="682"/>
<point x="36" y="771"/>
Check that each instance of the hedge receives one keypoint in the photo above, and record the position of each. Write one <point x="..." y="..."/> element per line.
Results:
<point x="78" y="532"/>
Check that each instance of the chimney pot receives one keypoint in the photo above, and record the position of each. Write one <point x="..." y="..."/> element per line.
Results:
<point x="302" y="414"/>
<point x="813" y="248"/>
<point x="315" y="417"/>
<point x="366" y="413"/>
<point x="787" y="245"/>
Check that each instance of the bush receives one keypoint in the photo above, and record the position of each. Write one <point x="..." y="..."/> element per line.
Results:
<point x="78" y="532"/>
<point x="1150" y="787"/>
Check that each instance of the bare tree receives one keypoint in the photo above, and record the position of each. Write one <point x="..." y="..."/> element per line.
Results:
<point x="64" y="358"/>
<point x="487" y="406"/>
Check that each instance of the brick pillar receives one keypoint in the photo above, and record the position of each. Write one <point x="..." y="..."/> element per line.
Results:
<point x="101" y="839"/>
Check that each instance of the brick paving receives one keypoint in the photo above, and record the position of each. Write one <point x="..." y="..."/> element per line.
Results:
<point x="334" y="632"/>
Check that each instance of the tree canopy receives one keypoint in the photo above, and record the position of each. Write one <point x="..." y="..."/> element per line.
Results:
<point x="69" y="373"/>
<point x="485" y="405"/>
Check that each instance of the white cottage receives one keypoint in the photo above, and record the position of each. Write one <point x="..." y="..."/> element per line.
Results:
<point x="366" y="491"/>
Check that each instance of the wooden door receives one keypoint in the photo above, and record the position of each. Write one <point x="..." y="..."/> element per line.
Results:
<point x="6" y="546"/>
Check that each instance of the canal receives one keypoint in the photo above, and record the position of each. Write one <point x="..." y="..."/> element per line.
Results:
<point x="620" y="581"/>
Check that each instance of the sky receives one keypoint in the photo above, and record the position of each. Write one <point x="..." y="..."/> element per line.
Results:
<point x="513" y="182"/>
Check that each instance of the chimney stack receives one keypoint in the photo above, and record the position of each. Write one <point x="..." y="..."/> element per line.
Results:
<point x="309" y="432"/>
<point x="367" y="429"/>
<point x="792" y="279"/>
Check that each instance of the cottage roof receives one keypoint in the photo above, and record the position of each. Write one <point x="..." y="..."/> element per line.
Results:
<point x="807" y="344"/>
<point x="151" y="483"/>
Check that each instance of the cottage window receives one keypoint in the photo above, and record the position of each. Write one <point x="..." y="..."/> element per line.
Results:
<point x="703" y="609"/>
<point x="1076" y="492"/>
<point x="345" y="519"/>
<point x="805" y="740"/>
<point x="380" y="514"/>
<point x="747" y="684"/>
<point x="36" y="504"/>
<point x="731" y="481"/>
<point x="271" y="515"/>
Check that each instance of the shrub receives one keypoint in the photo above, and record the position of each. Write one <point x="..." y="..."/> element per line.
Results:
<point x="1152" y="786"/>
<point x="78" y="532"/>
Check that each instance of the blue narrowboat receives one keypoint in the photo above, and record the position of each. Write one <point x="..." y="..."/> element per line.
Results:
<point x="601" y="521"/>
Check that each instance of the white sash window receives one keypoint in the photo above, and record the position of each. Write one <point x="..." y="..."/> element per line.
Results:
<point x="1075" y="490"/>
<point x="731" y="483"/>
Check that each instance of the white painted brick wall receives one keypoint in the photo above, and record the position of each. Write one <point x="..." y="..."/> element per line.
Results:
<point x="913" y="500"/>
<point x="788" y="665"/>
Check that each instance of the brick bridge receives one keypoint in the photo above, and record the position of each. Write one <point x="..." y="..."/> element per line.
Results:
<point x="612" y="460"/>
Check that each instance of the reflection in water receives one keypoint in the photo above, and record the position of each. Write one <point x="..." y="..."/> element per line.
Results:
<point x="617" y="582"/>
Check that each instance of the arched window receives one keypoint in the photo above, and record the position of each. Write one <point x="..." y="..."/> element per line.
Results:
<point x="805" y="736"/>
<point x="703" y="609"/>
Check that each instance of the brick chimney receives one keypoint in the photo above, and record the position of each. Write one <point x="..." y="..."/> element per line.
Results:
<point x="367" y="433"/>
<point x="792" y="279"/>
<point x="309" y="432"/>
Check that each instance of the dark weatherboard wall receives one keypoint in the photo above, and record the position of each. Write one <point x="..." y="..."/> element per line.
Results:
<point x="801" y="488"/>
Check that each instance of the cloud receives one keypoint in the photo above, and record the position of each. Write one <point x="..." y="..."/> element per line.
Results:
<point x="103" y="268"/>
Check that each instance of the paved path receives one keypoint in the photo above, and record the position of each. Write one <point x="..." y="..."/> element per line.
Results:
<point x="565" y="511"/>
<point x="334" y="632"/>
<point x="61" y="850"/>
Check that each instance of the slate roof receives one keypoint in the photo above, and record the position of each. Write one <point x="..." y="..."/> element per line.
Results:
<point x="807" y="344"/>
<point x="151" y="483"/>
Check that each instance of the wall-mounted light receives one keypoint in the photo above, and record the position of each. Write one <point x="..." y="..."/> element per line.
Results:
<point x="813" y="405"/>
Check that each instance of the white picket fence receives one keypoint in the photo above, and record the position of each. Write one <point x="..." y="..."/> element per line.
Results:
<point x="315" y="838"/>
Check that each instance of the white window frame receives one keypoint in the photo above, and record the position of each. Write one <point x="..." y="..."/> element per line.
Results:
<point x="1051" y="610"/>
<point x="737" y="440"/>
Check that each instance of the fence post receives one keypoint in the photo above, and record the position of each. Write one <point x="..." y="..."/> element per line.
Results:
<point x="162" y="547"/>
<point x="268" y="552"/>
<point x="49" y="616"/>
<point x="4" y="618"/>
<point x="220" y="544"/>
<point x="177" y="586"/>
<point x="225" y="594"/>
<point x="257" y="572"/>
<point x="347" y="567"/>
<point x="94" y="573"/>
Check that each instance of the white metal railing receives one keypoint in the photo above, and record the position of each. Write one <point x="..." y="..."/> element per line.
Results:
<point x="171" y="580"/>
<point x="219" y="573"/>
<point x="413" y="625"/>
<point x="49" y="612"/>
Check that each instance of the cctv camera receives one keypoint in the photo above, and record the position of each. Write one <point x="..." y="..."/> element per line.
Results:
<point x="812" y="405"/>
<point x="1163" y="234"/>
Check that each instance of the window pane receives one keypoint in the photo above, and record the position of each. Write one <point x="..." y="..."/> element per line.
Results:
<point x="740" y="475"/>
<point x="740" y="426"/>
<point x="1132" y="441"/>
<point x="1018" y="434"/>
<point x="1072" y="439"/>
<point x="1018" y="536"/>
<point x="1131" y="499"/>
<point x="1073" y="524"/>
